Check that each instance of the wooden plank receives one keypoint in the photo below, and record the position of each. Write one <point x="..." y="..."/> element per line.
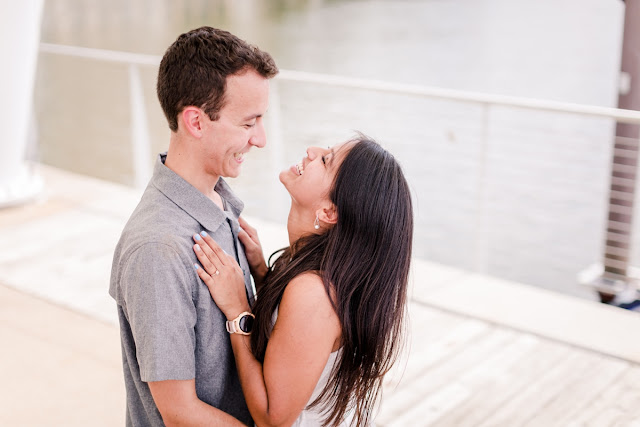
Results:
<point x="577" y="394"/>
<point x="542" y="391"/>
<point x="434" y="405"/>
<point x="503" y="377"/>
<point x="19" y="215"/>
<point x="81" y="191"/>
<point x="441" y="374"/>
<point x="617" y="405"/>
<point x="430" y="350"/>
<point x="587" y="324"/>
<point x="58" y="367"/>
<point x="44" y="236"/>
<point x="64" y="258"/>
<point x="430" y="408"/>
<point x="425" y="326"/>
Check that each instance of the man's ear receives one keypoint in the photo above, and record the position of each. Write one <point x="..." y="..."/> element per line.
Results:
<point x="328" y="215"/>
<point x="191" y="120"/>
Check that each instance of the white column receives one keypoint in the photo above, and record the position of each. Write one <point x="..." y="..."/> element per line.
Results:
<point x="19" y="40"/>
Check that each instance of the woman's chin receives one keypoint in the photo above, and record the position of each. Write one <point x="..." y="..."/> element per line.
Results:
<point x="285" y="176"/>
<point x="282" y="176"/>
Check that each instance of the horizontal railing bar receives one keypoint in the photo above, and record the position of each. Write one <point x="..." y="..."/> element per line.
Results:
<point x="626" y="142"/>
<point x="619" y="238"/>
<point x="620" y="209"/>
<point x="612" y="250"/>
<point x="101" y="54"/>
<point x="627" y="196"/>
<point x="608" y="262"/>
<point x="625" y="152"/>
<point x="618" y="241"/>
<point x="617" y="167"/>
<point x="620" y="115"/>
<point x="624" y="226"/>
<point x="624" y="116"/>
<point x="624" y="156"/>
<point x="611" y="231"/>
<point x="621" y="181"/>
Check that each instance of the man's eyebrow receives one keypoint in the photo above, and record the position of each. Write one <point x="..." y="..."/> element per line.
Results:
<point x="251" y="117"/>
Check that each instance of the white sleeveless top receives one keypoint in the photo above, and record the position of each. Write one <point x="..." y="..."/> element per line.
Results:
<point x="312" y="417"/>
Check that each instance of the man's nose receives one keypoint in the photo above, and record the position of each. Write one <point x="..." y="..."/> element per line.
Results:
<point x="259" y="138"/>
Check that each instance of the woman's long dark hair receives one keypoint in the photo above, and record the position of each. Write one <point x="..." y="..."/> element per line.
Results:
<point x="365" y="259"/>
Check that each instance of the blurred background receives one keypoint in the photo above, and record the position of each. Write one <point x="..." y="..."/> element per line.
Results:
<point x="517" y="126"/>
<point x="516" y="193"/>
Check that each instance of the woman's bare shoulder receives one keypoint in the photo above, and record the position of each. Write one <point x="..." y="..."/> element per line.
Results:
<point x="306" y="293"/>
<point x="306" y="285"/>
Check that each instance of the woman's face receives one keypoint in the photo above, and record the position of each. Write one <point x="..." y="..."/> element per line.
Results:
<point x="309" y="181"/>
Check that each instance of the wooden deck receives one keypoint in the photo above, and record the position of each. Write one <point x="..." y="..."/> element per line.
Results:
<point x="466" y="372"/>
<point x="482" y="351"/>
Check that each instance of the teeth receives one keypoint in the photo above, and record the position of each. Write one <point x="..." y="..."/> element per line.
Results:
<point x="238" y="156"/>
<point x="300" y="168"/>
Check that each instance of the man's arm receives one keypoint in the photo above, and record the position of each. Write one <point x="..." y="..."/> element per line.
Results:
<point x="179" y="405"/>
<point x="163" y="318"/>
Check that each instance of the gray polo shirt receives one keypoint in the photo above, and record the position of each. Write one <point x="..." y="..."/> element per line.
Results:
<point x="170" y="327"/>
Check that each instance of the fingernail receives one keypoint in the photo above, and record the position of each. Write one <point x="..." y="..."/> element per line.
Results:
<point x="204" y="233"/>
<point x="198" y="247"/>
<point x="196" y="266"/>
<point x="197" y="236"/>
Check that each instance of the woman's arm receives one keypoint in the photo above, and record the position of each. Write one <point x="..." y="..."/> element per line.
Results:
<point x="306" y="332"/>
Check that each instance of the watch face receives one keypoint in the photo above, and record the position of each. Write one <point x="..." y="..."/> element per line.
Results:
<point x="246" y="323"/>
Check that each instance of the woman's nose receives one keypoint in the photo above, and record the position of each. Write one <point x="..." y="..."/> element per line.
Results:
<point x="310" y="153"/>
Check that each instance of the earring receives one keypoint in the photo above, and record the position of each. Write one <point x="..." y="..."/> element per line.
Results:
<point x="316" y="223"/>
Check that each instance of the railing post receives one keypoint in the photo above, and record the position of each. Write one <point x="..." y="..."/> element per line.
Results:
<point x="624" y="165"/>
<point x="481" y="246"/>
<point x="274" y="126"/>
<point x="140" y="141"/>
<point x="274" y="137"/>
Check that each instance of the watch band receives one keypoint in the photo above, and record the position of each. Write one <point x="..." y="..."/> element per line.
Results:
<point x="243" y="324"/>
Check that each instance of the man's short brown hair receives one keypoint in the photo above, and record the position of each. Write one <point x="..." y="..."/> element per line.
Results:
<point x="195" y="68"/>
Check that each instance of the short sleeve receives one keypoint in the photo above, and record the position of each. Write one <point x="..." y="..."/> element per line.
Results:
<point x="161" y="312"/>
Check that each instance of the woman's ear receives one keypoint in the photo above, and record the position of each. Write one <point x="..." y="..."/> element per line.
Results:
<point x="191" y="118"/>
<point x="328" y="215"/>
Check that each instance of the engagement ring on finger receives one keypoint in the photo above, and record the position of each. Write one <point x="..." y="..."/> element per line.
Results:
<point x="217" y="272"/>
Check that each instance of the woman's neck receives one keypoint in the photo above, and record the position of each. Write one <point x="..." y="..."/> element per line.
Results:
<point x="299" y="224"/>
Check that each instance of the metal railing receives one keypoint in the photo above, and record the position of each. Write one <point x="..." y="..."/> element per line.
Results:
<point x="140" y="133"/>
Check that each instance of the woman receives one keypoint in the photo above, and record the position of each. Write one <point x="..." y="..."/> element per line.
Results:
<point x="330" y="310"/>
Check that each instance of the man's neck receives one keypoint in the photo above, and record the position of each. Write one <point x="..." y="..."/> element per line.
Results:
<point x="189" y="168"/>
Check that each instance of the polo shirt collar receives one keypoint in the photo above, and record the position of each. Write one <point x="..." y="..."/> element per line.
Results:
<point x="191" y="200"/>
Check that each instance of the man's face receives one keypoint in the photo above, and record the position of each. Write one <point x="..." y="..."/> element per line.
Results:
<point x="239" y="126"/>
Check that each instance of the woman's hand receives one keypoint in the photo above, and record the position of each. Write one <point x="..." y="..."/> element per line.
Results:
<point x="222" y="275"/>
<point x="253" y="250"/>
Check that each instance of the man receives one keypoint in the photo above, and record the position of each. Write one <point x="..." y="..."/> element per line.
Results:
<point x="178" y="363"/>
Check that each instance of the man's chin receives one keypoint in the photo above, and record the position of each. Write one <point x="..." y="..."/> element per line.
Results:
<point x="233" y="173"/>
